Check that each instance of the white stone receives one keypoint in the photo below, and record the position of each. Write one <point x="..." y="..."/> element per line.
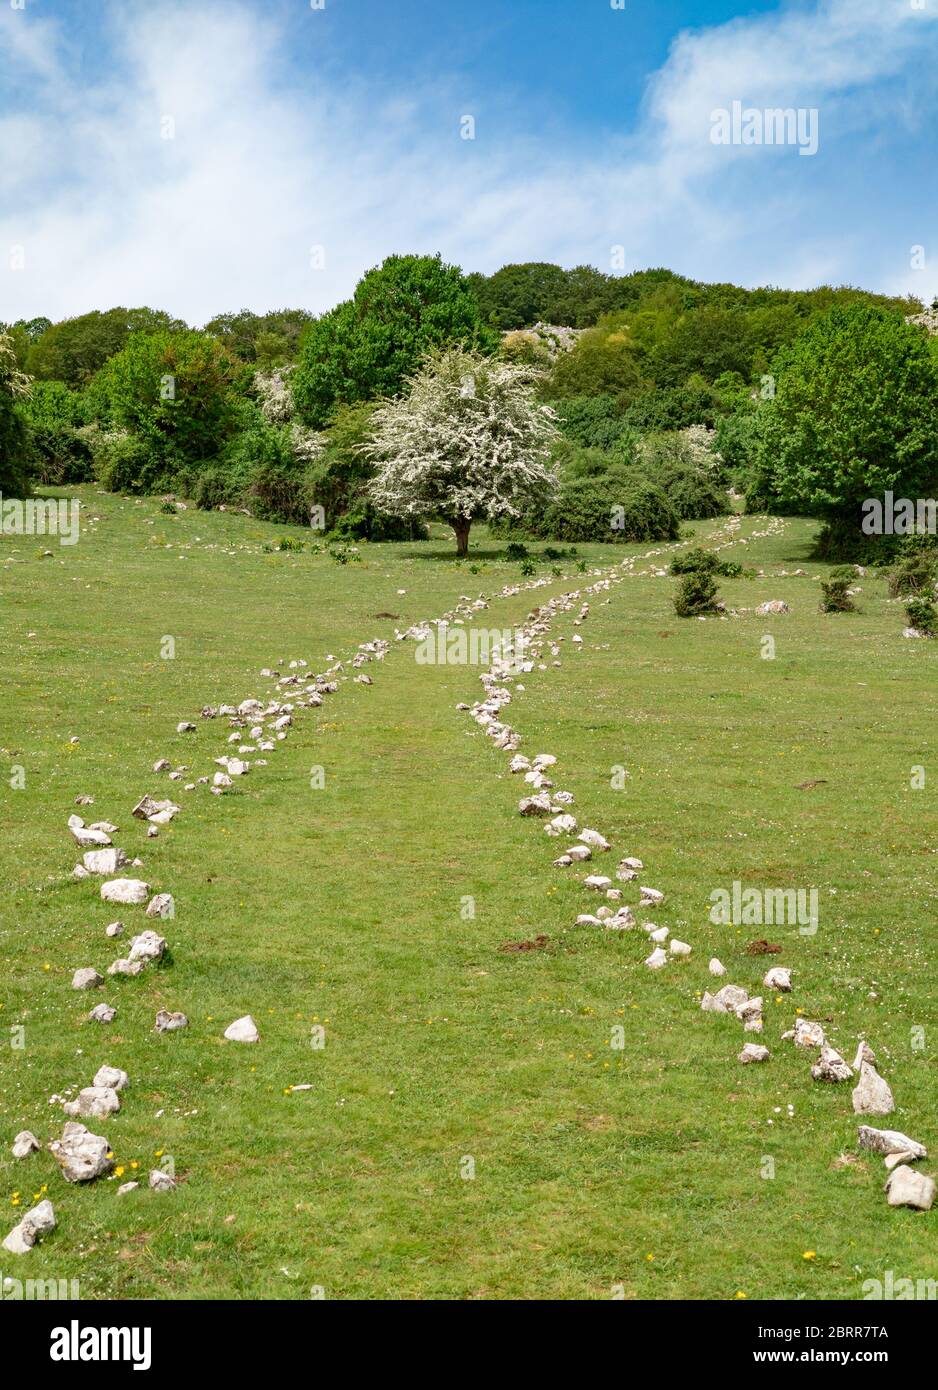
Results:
<point x="830" y="1066"/>
<point x="160" y="1181"/>
<point x="125" y="890"/>
<point x="906" y="1188"/>
<point x="103" y="1013"/>
<point x="149" y="945"/>
<point x="36" y="1222"/>
<point x="888" y="1141"/>
<point x="111" y="1076"/>
<point x="657" y="959"/>
<point x="243" y="1030"/>
<point x="88" y="838"/>
<point x="678" y="948"/>
<point x="81" y="1155"/>
<point x="753" y="1052"/>
<point x="594" y="840"/>
<point x="808" y="1034"/>
<point x="161" y="905"/>
<point x="598" y="882"/>
<point x="25" y="1144"/>
<point x="170" y="1022"/>
<point x="725" y="1001"/>
<point x="650" y="897"/>
<point x="93" y="1103"/>
<point x="578" y="854"/>
<point x="126" y="1187"/>
<point x="103" y="861"/>
<point x="872" y="1094"/>
<point x="716" y="967"/>
<point x="87" y="978"/>
<point x="659" y="935"/>
<point x="126" y="967"/>
<point x="779" y="977"/>
<point x="114" y="929"/>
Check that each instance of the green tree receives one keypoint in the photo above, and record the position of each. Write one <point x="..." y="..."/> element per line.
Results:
<point x="854" y="414"/>
<point x="13" y="441"/>
<point x="175" y="391"/>
<point x="74" y="350"/>
<point x="367" y="346"/>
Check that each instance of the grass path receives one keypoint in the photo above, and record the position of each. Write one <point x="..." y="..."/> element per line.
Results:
<point x="344" y="905"/>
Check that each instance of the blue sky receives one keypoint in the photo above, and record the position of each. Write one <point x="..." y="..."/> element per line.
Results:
<point x="207" y="156"/>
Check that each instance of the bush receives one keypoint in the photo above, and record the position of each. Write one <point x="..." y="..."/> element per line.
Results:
<point x="916" y="569"/>
<point x="13" y="437"/>
<point x="592" y="422"/>
<point x="516" y="550"/>
<point x="696" y="561"/>
<point x="923" y="615"/>
<point x="54" y="416"/>
<point x="125" y="463"/>
<point x="696" y="593"/>
<point x="834" y="590"/>
<point x="620" y="505"/>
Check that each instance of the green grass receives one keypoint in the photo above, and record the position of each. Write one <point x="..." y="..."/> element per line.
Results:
<point x="344" y="905"/>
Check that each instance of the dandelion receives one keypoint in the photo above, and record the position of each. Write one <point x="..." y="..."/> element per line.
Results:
<point x="740" y="1294"/>
<point x="809" y="1255"/>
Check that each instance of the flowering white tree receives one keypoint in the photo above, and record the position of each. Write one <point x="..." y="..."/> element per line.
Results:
<point x="469" y="439"/>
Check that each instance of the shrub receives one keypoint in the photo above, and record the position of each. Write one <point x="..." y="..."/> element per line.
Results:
<point x="620" y="505"/>
<point x="834" y="590"/>
<point x="516" y="550"/>
<point x="696" y="593"/>
<point x="527" y="565"/>
<point x="916" y="569"/>
<point x="696" y="561"/>
<point x="13" y="438"/>
<point x="923" y="615"/>
<point x="593" y="422"/>
<point x="54" y="416"/>
<point x="125" y="463"/>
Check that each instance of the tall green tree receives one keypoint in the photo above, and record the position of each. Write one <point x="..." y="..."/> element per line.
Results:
<point x="855" y="414"/>
<point x="367" y="346"/>
<point x="74" y="350"/>
<point x="13" y="441"/>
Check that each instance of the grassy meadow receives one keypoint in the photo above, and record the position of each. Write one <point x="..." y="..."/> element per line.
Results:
<point x="598" y="1172"/>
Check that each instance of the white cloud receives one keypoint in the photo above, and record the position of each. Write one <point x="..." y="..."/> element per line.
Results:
<point x="259" y="172"/>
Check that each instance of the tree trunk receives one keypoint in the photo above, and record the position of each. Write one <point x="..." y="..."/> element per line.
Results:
<point x="461" y="526"/>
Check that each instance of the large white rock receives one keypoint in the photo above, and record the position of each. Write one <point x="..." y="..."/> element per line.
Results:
<point x="113" y="1077"/>
<point x="650" y="897"/>
<point x="716" y="967"/>
<point x="725" y="1001"/>
<point x="657" y="959"/>
<point x="86" y="838"/>
<point x="126" y="967"/>
<point x="103" y="1013"/>
<point x="104" y="861"/>
<point x="594" y="840"/>
<point x="243" y="1030"/>
<point x="830" y="1066"/>
<point x="161" y="906"/>
<point x="539" y="805"/>
<point x="81" y="1155"/>
<point x="872" y="1095"/>
<point x="906" y="1188"/>
<point x="678" y="948"/>
<point x="25" y="1144"/>
<point x="808" y="1034"/>
<point x="93" y="1103"/>
<point x="125" y="890"/>
<point x="753" y="1052"/>
<point x="578" y="854"/>
<point x="87" y="978"/>
<point x="149" y="945"/>
<point x="599" y="882"/>
<point x="779" y="977"/>
<point x="36" y="1222"/>
<point x="160" y="1181"/>
<point x="888" y="1141"/>
<point x="167" y="1022"/>
<point x="774" y="605"/>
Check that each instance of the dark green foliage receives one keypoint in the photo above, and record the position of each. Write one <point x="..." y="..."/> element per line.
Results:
<point x="54" y="416"/>
<point x="696" y="561"/>
<point x="696" y="594"/>
<point x="269" y="340"/>
<point x="922" y="615"/>
<point x="917" y="567"/>
<point x="835" y="598"/>
<point x="74" y="350"/>
<point x="593" y="422"/>
<point x="673" y="407"/>
<point x="620" y="505"/>
<point x="516" y="550"/>
<point x="366" y="347"/>
<point x="853" y="414"/>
